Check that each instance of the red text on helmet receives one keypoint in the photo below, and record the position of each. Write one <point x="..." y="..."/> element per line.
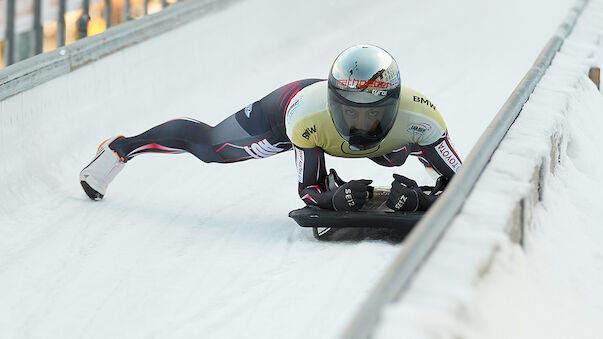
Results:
<point x="361" y="84"/>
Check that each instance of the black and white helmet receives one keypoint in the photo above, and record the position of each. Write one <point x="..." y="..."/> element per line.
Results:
<point x="363" y="95"/>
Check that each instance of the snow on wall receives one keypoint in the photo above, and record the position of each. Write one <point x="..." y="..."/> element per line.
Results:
<point x="488" y="277"/>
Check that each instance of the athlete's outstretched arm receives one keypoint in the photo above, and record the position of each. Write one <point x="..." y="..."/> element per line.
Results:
<point x="399" y="156"/>
<point x="395" y="158"/>
<point x="439" y="156"/>
<point x="442" y="156"/>
<point x="311" y="174"/>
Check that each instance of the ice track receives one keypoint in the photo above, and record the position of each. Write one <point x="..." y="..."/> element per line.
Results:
<point x="182" y="249"/>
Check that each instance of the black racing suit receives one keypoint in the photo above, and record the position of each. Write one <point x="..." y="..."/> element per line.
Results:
<point x="258" y="131"/>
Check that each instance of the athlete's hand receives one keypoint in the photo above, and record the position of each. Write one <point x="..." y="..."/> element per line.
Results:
<point x="352" y="195"/>
<point x="405" y="195"/>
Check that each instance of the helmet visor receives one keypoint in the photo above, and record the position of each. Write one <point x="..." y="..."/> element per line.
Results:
<point x="363" y="125"/>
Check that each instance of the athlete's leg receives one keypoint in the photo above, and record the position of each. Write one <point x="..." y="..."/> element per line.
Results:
<point x="256" y="131"/>
<point x="236" y="138"/>
<point x="240" y="138"/>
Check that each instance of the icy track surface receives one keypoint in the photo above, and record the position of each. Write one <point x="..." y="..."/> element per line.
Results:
<point x="182" y="249"/>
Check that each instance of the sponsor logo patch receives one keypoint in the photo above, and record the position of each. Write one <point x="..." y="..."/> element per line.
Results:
<point x="294" y="104"/>
<point x="291" y="109"/>
<point x="248" y="110"/>
<point x="423" y="101"/>
<point x="379" y="92"/>
<point x="262" y="149"/>
<point x="309" y="131"/>
<point x="418" y="128"/>
<point x="349" y="198"/>
<point x="299" y="163"/>
<point x="448" y="156"/>
<point x="401" y="202"/>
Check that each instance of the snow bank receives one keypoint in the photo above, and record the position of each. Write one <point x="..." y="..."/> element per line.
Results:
<point x="491" y="278"/>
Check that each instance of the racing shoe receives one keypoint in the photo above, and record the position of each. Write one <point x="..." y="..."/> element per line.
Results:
<point x="102" y="169"/>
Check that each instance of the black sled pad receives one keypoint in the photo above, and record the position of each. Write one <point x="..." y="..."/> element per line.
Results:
<point x="358" y="225"/>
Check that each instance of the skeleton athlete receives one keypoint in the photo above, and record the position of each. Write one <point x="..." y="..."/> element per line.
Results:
<point x="360" y="111"/>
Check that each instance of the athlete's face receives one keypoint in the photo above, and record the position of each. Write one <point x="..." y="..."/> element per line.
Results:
<point x="362" y="118"/>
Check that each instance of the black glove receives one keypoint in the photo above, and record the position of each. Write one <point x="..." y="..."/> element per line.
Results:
<point x="352" y="195"/>
<point x="406" y="195"/>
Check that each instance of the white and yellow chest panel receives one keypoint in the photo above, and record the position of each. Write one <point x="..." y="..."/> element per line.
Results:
<point x="309" y="124"/>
